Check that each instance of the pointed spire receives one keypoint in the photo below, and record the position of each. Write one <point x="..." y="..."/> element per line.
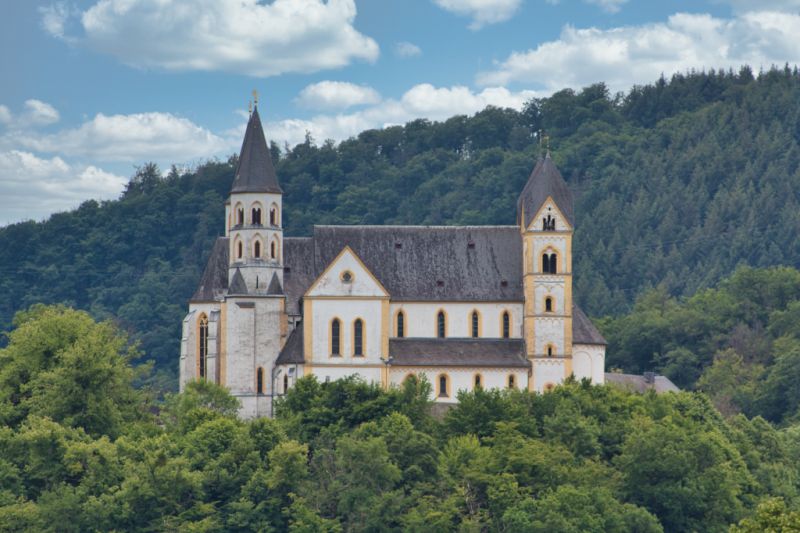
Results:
<point x="544" y="181"/>
<point x="275" y="286"/>
<point x="237" y="286"/>
<point x="255" y="172"/>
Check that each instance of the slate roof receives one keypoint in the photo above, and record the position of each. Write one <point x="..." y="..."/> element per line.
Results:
<point x="275" y="288"/>
<point x="238" y="286"/>
<point x="639" y="383"/>
<point x="255" y="171"/>
<point x="458" y="352"/>
<point x="432" y="263"/>
<point x="214" y="282"/>
<point x="545" y="180"/>
<point x="583" y="331"/>
<point x="292" y="352"/>
<point x="299" y="270"/>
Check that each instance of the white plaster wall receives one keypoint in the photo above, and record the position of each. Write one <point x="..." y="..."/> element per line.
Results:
<point x="247" y="232"/>
<point x="294" y="372"/>
<point x="588" y="361"/>
<point x="420" y="318"/>
<point x="254" y="406"/>
<point x="552" y="286"/>
<point x="460" y="378"/>
<point x="254" y="340"/>
<point x="548" y="330"/>
<point x="346" y="310"/>
<point x="361" y="284"/>
<point x="370" y="374"/>
<point x="547" y="371"/>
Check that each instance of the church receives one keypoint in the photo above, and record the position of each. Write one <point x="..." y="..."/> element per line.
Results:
<point x="464" y="306"/>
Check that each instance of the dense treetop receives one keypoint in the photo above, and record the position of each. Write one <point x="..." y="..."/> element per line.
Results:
<point x="348" y="456"/>
<point x="677" y="183"/>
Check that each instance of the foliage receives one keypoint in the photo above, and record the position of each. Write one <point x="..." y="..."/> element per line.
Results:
<point x="677" y="183"/>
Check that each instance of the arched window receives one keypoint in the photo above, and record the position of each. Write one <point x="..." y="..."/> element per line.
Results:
<point x="240" y="216"/>
<point x="546" y="263"/>
<point x="239" y="250"/>
<point x="548" y="304"/>
<point x="336" y="337"/>
<point x="441" y="325"/>
<point x="553" y="265"/>
<point x="401" y="324"/>
<point x="273" y="250"/>
<point x="550" y="350"/>
<point x="202" y="351"/>
<point x="256" y="216"/>
<point x="443" y="386"/>
<point x="512" y="381"/>
<point x="478" y="381"/>
<point x="506" y="325"/>
<point x="257" y="249"/>
<point x="476" y="321"/>
<point x="285" y="383"/>
<point x="273" y="216"/>
<point x="260" y="380"/>
<point x="358" y="337"/>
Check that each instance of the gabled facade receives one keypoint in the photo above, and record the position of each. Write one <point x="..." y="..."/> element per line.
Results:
<point x="468" y="306"/>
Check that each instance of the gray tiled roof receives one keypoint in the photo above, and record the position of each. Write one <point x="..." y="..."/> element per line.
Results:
<point x="275" y="288"/>
<point x="432" y="263"/>
<point x="255" y="172"/>
<point x="292" y="352"/>
<point x="544" y="181"/>
<point x="238" y="286"/>
<point x="458" y="352"/>
<point x="214" y="282"/>
<point x="583" y="331"/>
<point x="637" y="383"/>
<point x="299" y="270"/>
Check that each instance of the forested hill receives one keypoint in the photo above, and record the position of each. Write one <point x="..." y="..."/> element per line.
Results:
<point x="676" y="184"/>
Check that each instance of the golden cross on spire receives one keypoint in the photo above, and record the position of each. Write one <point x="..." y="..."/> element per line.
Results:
<point x="255" y="96"/>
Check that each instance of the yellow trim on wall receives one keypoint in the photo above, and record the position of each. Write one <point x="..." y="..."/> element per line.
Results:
<point x="308" y="332"/>
<point x="223" y="344"/>
<point x="363" y="338"/>
<point x="330" y="337"/>
<point x="480" y="323"/>
<point x="330" y="266"/>
<point x="436" y="323"/>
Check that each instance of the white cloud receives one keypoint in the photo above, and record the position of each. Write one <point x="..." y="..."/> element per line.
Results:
<point x="630" y="55"/>
<point x="421" y="101"/>
<point x="336" y="95"/>
<point x="5" y="115"/>
<point x="32" y="187"/>
<point x="406" y="49"/>
<point x="482" y="12"/>
<point x="39" y="112"/>
<point x="159" y="137"/>
<point x="611" y="6"/>
<point x="241" y="36"/>
<point x="54" y="18"/>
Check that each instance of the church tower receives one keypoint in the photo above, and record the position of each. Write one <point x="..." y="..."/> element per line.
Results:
<point x="254" y="218"/>
<point x="546" y="221"/>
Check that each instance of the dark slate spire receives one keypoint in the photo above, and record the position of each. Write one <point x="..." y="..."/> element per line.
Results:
<point x="544" y="181"/>
<point x="275" y="286"/>
<point x="238" y="286"/>
<point x="255" y="172"/>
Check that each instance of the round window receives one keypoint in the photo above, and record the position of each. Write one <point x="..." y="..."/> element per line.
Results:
<point x="347" y="276"/>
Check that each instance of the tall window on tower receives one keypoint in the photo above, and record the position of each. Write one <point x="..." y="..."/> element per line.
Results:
<point x="476" y="321"/>
<point x="549" y="263"/>
<point x="257" y="249"/>
<point x="358" y="337"/>
<point x="202" y="352"/>
<point x="240" y="216"/>
<point x="273" y="216"/>
<point x="401" y="324"/>
<point x="336" y="337"/>
<point x="260" y="380"/>
<point x="548" y="305"/>
<point x="441" y="325"/>
<point x="506" y="325"/>
<point x="256" y="215"/>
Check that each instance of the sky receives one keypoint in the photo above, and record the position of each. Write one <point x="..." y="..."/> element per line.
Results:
<point x="91" y="89"/>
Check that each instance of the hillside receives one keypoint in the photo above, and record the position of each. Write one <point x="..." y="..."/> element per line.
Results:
<point x="677" y="183"/>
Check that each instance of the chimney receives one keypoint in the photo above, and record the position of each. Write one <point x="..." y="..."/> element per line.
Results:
<point x="650" y="378"/>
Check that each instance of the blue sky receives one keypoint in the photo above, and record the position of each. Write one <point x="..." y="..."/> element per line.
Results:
<point x="92" y="88"/>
